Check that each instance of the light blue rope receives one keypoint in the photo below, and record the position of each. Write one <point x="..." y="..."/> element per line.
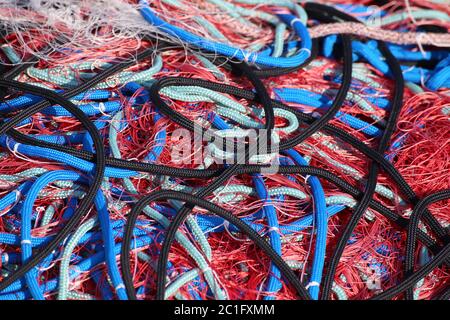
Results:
<point x="229" y="51"/>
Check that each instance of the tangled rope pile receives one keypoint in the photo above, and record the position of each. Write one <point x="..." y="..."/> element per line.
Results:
<point x="224" y="149"/>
